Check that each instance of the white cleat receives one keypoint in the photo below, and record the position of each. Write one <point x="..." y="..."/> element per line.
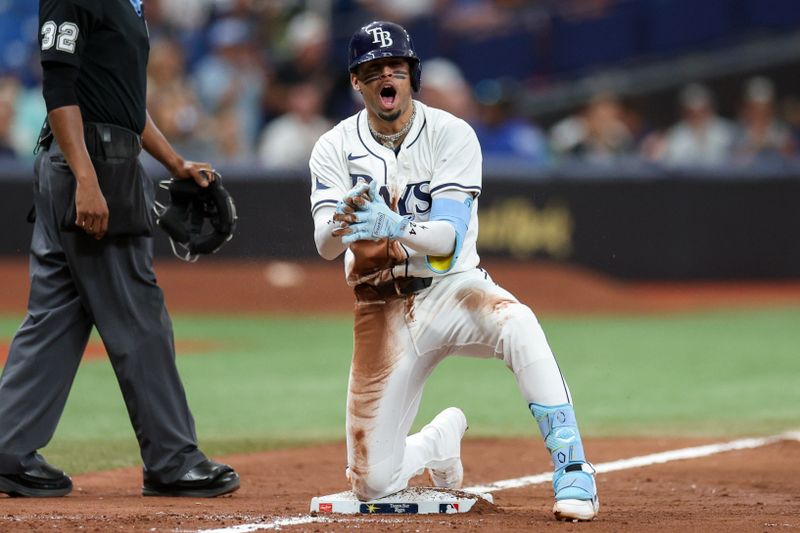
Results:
<point x="451" y="425"/>
<point x="576" y="510"/>
<point x="576" y="494"/>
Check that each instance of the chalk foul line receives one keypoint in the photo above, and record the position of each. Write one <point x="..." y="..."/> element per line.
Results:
<point x="694" y="452"/>
<point x="644" y="460"/>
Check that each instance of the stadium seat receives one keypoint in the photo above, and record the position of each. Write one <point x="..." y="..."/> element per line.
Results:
<point x="579" y="43"/>
<point x="778" y="14"/>
<point x="679" y="25"/>
<point x="512" y="54"/>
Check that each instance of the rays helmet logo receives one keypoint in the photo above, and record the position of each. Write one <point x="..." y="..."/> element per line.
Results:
<point x="381" y="36"/>
<point x="380" y="39"/>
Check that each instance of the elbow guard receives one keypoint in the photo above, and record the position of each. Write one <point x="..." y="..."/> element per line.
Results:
<point x="458" y="215"/>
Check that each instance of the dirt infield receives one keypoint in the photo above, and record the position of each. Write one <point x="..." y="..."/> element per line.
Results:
<point x="746" y="490"/>
<point x="753" y="490"/>
<point x="318" y="287"/>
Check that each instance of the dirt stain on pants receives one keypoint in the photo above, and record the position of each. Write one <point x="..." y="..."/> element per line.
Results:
<point x="375" y="355"/>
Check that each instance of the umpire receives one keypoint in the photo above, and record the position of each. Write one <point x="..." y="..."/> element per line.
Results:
<point x="91" y="259"/>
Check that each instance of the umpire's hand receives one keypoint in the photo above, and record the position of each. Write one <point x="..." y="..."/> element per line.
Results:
<point x="201" y="173"/>
<point x="91" y="209"/>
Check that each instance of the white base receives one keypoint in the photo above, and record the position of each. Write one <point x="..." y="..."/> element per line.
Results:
<point x="414" y="500"/>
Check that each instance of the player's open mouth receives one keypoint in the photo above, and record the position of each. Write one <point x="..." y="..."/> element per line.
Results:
<point x="388" y="95"/>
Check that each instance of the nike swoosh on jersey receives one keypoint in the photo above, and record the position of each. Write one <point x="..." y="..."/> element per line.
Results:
<point x="321" y="186"/>
<point x="351" y="157"/>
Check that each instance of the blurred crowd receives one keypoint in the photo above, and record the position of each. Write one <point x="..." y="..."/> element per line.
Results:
<point x="256" y="82"/>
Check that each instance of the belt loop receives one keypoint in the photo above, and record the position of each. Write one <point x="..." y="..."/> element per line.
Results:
<point x="90" y="136"/>
<point x="105" y="133"/>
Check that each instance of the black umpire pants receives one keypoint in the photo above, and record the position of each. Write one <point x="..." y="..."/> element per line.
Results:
<point x="77" y="282"/>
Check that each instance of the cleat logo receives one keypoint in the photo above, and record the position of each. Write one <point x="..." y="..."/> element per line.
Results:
<point x="326" y="508"/>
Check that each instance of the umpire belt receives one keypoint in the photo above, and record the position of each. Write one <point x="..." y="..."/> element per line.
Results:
<point x="109" y="141"/>
<point x="391" y="289"/>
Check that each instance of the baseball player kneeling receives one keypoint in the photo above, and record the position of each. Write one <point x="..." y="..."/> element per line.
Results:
<point x="396" y="188"/>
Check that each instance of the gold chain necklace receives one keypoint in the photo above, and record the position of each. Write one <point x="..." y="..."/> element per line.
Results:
<point x="390" y="139"/>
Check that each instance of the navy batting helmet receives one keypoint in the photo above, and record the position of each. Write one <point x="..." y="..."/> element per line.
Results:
<point x="381" y="39"/>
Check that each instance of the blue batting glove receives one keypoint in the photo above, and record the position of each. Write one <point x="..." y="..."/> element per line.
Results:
<point x="375" y="220"/>
<point x="351" y="200"/>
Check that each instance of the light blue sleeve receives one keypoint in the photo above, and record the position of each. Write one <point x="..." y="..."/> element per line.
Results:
<point x="458" y="215"/>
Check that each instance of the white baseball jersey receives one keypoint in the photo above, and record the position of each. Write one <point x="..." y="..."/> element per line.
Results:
<point x="440" y="153"/>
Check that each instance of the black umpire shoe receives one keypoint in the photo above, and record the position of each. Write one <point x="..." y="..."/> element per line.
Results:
<point x="38" y="481"/>
<point x="206" y="480"/>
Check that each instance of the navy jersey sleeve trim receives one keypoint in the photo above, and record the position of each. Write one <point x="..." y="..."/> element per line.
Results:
<point x="323" y="203"/>
<point x="473" y="189"/>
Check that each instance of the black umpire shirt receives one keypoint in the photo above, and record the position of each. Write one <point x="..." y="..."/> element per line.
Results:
<point x="106" y="42"/>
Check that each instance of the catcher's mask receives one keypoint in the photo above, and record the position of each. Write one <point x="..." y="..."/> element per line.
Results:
<point x="381" y="39"/>
<point x="198" y="220"/>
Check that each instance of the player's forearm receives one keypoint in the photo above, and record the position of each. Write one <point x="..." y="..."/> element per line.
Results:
<point x="67" y="125"/>
<point x="436" y="237"/>
<point x="328" y="246"/>
<point x="154" y="142"/>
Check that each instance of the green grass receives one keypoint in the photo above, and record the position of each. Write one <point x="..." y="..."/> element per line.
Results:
<point x="272" y="382"/>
